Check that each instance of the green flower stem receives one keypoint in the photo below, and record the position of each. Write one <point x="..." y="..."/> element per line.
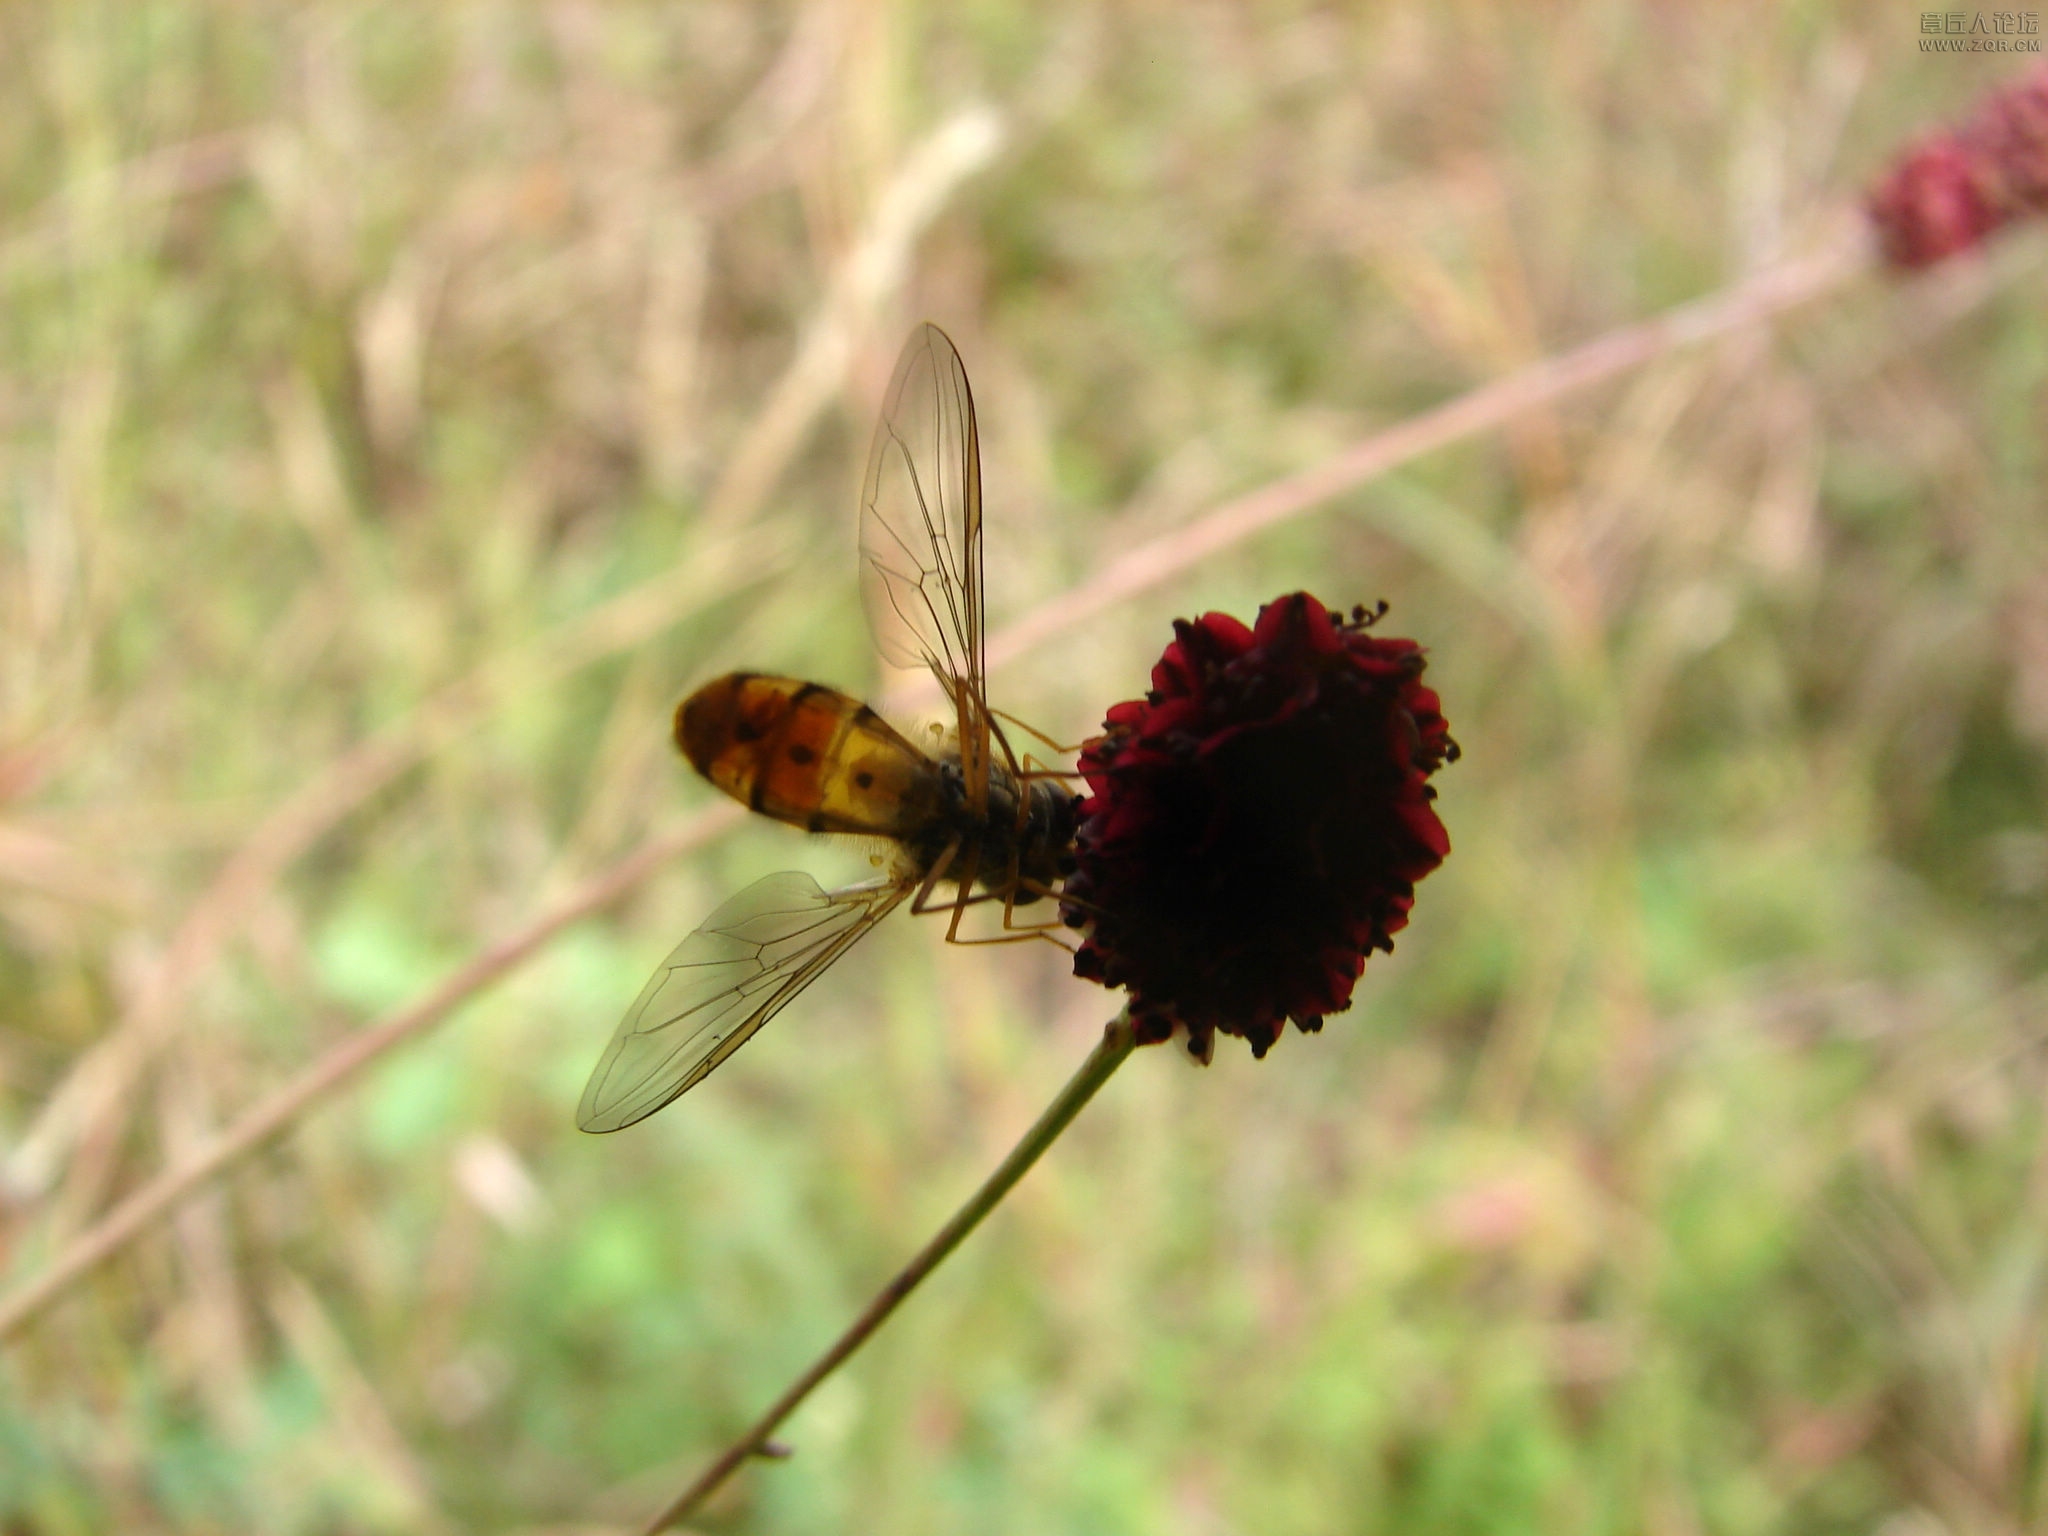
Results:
<point x="1117" y="1042"/>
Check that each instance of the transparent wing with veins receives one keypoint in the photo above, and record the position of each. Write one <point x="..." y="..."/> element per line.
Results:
<point x="920" y="537"/>
<point x="723" y="983"/>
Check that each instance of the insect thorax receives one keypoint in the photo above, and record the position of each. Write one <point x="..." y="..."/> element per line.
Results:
<point x="1020" y="846"/>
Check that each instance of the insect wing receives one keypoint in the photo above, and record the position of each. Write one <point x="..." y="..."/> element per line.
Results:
<point x="721" y="984"/>
<point x="920" y="536"/>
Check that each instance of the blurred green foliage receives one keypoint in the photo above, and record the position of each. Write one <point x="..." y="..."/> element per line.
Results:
<point x="1681" y="1173"/>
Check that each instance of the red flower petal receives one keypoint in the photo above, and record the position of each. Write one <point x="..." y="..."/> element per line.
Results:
<point x="1255" y="825"/>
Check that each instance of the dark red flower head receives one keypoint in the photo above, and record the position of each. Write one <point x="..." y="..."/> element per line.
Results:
<point x="1946" y="193"/>
<point x="1257" y="822"/>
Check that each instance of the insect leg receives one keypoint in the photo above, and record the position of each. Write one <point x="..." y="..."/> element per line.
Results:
<point x="920" y="903"/>
<point x="1033" y="769"/>
<point x="1021" y="936"/>
<point x="942" y="869"/>
<point x="1031" y="730"/>
<point x="1013" y="932"/>
<point x="961" y="898"/>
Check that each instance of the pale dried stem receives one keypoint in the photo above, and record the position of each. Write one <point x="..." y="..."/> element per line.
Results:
<point x="104" y="1077"/>
<point x="870" y="272"/>
<point x="335" y="1070"/>
<point x="1759" y="299"/>
<point x="366" y="1428"/>
<point x="176" y="170"/>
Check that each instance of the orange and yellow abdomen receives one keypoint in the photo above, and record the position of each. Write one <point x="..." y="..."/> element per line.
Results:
<point x="808" y="755"/>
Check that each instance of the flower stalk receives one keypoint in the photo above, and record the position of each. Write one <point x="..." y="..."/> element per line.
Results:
<point x="1118" y="1039"/>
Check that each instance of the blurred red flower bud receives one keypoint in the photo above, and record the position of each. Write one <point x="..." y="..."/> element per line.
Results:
<point x="1952" y="189"/>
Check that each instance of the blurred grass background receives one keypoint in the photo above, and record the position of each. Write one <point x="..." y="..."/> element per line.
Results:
<point x="1681" y="1173"/>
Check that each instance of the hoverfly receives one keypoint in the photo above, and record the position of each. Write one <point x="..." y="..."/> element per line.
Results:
<point x="970" y="814"/>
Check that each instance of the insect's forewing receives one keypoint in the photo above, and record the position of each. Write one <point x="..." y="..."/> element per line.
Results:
<point x="920" y="537"/>
<point x="721" y="984"/>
